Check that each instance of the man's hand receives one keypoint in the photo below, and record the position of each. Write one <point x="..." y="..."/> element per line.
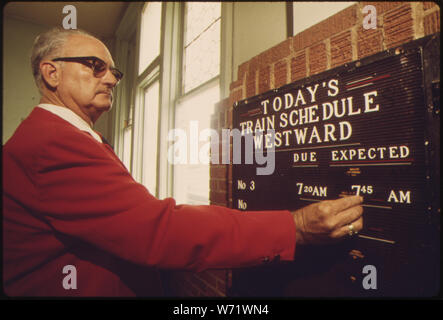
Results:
<point x="328" y="220"/>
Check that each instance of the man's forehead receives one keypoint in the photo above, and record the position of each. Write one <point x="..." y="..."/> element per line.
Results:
<point x="83" y="45"/>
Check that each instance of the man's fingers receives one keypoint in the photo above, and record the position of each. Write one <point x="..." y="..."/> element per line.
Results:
<point x="330" y="219"/>
<point x="345" y="203"/>
<point x="345" y="230"/>
<point x="347" y="216"/>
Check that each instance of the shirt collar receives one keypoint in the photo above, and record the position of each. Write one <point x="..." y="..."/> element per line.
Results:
<point x="71" y="117"/>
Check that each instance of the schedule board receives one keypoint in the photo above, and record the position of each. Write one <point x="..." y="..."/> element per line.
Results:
<point x="359" y="129"/>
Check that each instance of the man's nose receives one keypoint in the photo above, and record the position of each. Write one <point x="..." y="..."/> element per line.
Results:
<point x="110" y="79"/>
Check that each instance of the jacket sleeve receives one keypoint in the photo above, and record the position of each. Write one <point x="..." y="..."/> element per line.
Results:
<point x="86" y="193"/>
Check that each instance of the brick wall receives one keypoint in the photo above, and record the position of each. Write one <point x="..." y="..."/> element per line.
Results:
<point x="335" y="41"/>
<point x="213" y="283"/>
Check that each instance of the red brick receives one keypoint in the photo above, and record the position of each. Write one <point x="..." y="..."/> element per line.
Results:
<point x="429" y="5"/>
<point x="216" y="280"/>
<point x="213" y="184"/>
<point x="341" y="49"/>
<point x="219" y="274"/>
<point x="242" y="69"/>
<point x="316" y="33"/>
<point x="250" y="84"/>
<point x="236" y="84"/>
<point x="337" y="23"/>
<point x="183" y="285"/>
<point x="398" y="26"/>
<point x="298" y="66"/>
<point x="219" y="198"/>
<point x="230" y="171"/>
<point x="280" y="73"/>
<point x="317" y="58"/>
<point x="222" y="186"/>
<point x="194" y="287"/>
<point x="305" y="39"/>
<point x="369" y="42"/>
<point x="297" y="42"/>
<point x="264" y="79"/>
<point x="254" y="65"/>
<point x="432" y="23"/>
<point x="340" y="21"/>
<point x="203" y="284"/>
<point x="228" y="123"/>
<point x="221" y="285"/>
<point x="218" y="171"/>
<point x="278" y="52"/>
<point x="236" y="95"/>
<point x="382" y="6"/>
<point x="206" y="284"/>
<point x="271" y="55"/>
<point x="207" y="277"/>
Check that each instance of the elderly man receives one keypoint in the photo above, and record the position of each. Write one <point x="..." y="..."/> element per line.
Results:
<point x="69" y="202"/>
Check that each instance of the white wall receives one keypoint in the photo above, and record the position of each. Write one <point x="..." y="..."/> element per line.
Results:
<point x="307" y="14"/>
<point x="20" y="93"/>
<point x="257" y="26"/>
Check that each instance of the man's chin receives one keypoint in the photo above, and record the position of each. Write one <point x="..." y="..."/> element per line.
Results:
<point x="104" y="104"/>
<point x="106" y="107"/>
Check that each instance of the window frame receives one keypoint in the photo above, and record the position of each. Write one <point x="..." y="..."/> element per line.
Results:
<point x="122" y="112"/>
<point x="181" y="95"/>
<point x="184" y="93"/>
<point x="147" y="79"/>
<point x="167" y="69"/>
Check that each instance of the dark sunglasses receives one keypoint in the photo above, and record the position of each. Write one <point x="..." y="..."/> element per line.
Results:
<point x="98" y="66"/>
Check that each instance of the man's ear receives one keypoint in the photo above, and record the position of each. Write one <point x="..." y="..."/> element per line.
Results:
<point x="51" y="73"/>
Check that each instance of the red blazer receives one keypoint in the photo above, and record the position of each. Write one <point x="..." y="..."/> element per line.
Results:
<point x="69" y="200"/>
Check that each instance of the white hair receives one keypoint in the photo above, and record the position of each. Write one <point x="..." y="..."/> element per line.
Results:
<point x="48" y="45"/>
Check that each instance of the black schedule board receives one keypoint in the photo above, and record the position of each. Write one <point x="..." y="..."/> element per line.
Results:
<point x="358" y="129"/>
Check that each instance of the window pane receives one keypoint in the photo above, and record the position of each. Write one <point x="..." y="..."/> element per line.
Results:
<point x="202" y="58"/>
<point x="150" y="34"/>
<point x="150" y="137"/>
<point x="191" y="181"/>
<point x="127" y="146"/>
<point x="202" y="44"/>
<point x="198" y="17"/>
<point x="127" y="140"/>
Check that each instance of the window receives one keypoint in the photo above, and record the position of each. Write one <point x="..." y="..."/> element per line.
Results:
<point x="201" y="43"/>
<point x="127" y="143"/>
<point x="200" y="91"/>
<point x="150" y="34"/>
<point x="147" y="97"/>
<point x="191" y="180"/>
<point x="122" y="113"/>
<point x="177" y="85"/>
<point x="150" y="136"/>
